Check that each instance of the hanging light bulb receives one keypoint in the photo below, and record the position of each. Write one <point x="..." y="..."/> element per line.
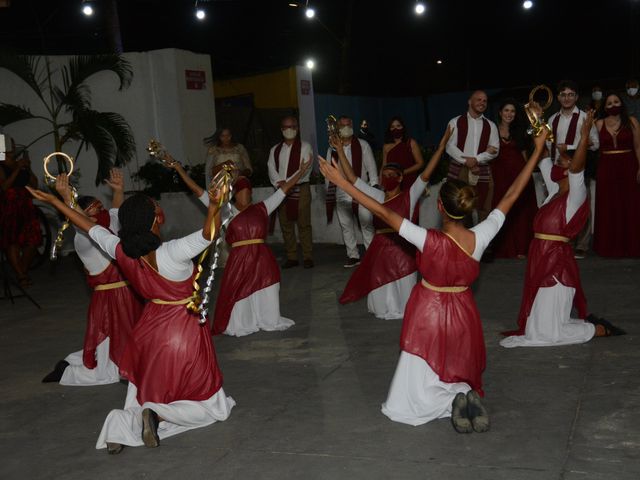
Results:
<point x="310" y="64"/>
<point x="527" y="4"/>
<point x="200" y="12"/>
<point x="420" y="8"/>
<point x="87" y="9"/>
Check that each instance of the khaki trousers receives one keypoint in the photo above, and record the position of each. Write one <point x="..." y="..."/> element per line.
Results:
<point x="304" y="226"/>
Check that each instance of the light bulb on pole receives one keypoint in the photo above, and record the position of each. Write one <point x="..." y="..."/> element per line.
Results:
<point x="87" y="9"/>
<point x="310" y="64"/>
<point x="527" y="4"/>
<point x="420" y="8"/>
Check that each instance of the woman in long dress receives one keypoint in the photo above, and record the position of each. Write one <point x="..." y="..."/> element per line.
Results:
<point x="249" y="297"/>
<point x="388" y="271"/>
<point x="552" y="281"/>
<point x="513" y="239"/>
<point x="439" y="373"/>
<point x="174" y="380"/>
<point x="617" y="228"/>
<point x="400" y="148"/>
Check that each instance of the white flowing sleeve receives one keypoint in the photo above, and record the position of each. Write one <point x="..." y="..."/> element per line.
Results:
<point x="274" y="200"/>
<point x="486" y="230"/>
<point x="415" y="192"/>
<point x="114" y="223"/>
<point x="204" y="198"/>
<point x="174" y="257"/>
<point x="413" y="233"/>
<point x="106" y="240"/>
<point x="364" y="187"/>
<point x="577" y="194"/>
<point x="545" y="166"/>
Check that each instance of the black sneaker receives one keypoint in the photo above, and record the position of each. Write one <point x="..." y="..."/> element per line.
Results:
<point x="351" y="262"/>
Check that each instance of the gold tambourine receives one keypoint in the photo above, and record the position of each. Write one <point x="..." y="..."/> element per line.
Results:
<point x="157" y="150"/>
<point x="49" y="177"/>
<point x="537" y="121"/>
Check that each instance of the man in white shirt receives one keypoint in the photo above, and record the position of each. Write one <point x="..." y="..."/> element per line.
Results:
<point x="360" y="156"/>
<point x="566" y="125"/>
<point x="473" y="144"/>
<point x="284" y="161"/>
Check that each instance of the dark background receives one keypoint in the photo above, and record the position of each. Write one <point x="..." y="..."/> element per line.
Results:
<point x="391" y="51"/>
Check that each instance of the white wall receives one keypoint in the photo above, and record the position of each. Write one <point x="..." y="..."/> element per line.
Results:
<point x="157" y="104"/>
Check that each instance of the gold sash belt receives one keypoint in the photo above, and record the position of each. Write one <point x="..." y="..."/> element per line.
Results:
<point x="241" y="243"/>
<point x="443" y="289"/>
<point x="110" y="286"/>
<point x="386" y="230"/>
<point x="553" y="238"/>
<point x="613" y="152"/>
<point x="184" y="301"/>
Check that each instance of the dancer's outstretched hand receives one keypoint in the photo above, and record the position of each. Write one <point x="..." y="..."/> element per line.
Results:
<point x="115" y="180"/>
<point x="331" y="171"/>
<point x="40" y="195"/>
<point x="540" y="140"/>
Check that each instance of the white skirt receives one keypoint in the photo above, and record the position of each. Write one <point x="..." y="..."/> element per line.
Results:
<point x="417" y="395"/>
<point x="76" y="374"/>
<point x="258" y="311"/>
<point x="125" y="426"/>
<point x="550" y="323"/>
<point x="388" y="301"/>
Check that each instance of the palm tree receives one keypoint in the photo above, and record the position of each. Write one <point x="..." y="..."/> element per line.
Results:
<point x="69" y="113"/>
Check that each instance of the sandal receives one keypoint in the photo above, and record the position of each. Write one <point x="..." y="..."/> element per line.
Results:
<point x="459" y="416"/>
<point x="610" y="330"/>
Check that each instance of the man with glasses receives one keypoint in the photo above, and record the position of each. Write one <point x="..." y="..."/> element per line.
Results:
<point x="284" y="161"/>
<point x="566" y="125"/>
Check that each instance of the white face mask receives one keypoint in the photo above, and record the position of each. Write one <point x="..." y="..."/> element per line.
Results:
<point x="289" y="133"/>
<point x="346" y="132"/>
<point x="597" y="95"/>
<point x="632" y="91"/>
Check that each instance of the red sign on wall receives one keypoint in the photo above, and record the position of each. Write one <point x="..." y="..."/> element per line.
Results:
<point x="195" y="79"/>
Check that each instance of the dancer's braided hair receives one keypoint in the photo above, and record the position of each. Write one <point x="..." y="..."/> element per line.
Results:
<point x="136" y="216"/>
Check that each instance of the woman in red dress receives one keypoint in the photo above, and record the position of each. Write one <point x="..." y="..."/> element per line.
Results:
<point x="439" y="373"/>
<point x="249" y="297"/>
<point x="400" y="148"/>
<point x="514" y="237"/>
<point x="174" y="380"/>
<point x="20" y="233"/>
<point x="617" y="215"/>
<point x="388" y="271"/>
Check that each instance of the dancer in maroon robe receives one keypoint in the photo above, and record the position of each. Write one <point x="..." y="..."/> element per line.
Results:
<point x="249" y="298"/>
<point x="114" y="307"/>
<point x="617" y="219"/>
<point x="387" y="272"/>
<point x="174" y="380"/>
<point x="443" y="354"/>
<point x="552" y="282"/>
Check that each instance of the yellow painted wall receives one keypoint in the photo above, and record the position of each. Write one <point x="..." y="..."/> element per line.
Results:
<point x="270" y="90"/>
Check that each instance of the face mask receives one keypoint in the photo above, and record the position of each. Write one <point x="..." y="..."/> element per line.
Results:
<point x="397" y="132"/>
<point x="346" y="132"/>
<point x="289" y="133"/>
<point x="558" y="173"/>
<point x="364" y="130"/>
<point x="632" y="91"/>
<point x="597" y="95"/>
<point x="390" y="183"/>
<point x="103" y="218"/>
<point x="614" y="110"/>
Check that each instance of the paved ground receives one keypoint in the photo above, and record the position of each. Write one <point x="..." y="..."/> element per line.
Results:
<point x="309" y="398"/>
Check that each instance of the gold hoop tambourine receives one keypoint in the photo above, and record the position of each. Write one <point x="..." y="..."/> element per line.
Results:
<point x="157" y="150"/>
<point x="222" y="181"/>
<point x="537" y="121"/>
<point x="50" y="179"/>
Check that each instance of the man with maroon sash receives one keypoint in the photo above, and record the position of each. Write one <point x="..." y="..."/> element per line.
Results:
<point x="566" y="125"/>
<point x="284" y="161"/>
<point x="360" y="156"/>
<point x="473" y="144"/>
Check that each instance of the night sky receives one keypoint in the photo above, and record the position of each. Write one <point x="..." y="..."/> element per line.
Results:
<point x="483" y="44"/>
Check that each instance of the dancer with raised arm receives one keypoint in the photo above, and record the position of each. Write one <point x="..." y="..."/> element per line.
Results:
<point x="175" y="384"/>
<point x="439" y="373"/>
<point x="552" y="282"/>
<point x="114" y="308"/>
<point x="249" y="298"/>
<point x="387" y="272"/>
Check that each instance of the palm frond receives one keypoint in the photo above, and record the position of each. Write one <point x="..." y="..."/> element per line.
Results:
<point x="13" y="113"/>
<point x="108" y="134"/>
<point x="25" y="67"/>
